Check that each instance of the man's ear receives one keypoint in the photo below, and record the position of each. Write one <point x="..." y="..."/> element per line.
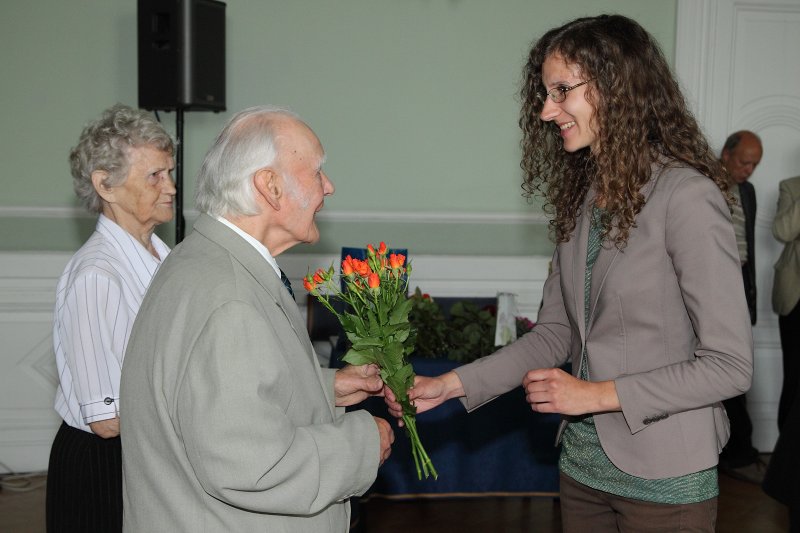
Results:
<point x="99" y="178"/>
<point x="268" y="185"/>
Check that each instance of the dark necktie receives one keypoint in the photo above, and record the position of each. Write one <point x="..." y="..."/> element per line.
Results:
<point x="287" y="284"/>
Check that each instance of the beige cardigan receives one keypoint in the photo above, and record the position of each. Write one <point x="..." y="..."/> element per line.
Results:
<point x="786" y="228"/>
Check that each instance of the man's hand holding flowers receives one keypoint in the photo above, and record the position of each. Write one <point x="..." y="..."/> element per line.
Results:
<point x="354" y="384"/>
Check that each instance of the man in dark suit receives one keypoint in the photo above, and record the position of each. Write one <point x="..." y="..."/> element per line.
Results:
<point x="740" y="156"/>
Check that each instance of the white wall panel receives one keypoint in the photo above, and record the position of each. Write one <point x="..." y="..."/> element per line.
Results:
<point x="28" y="377"/>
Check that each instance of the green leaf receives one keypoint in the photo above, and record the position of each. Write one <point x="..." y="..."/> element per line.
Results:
<point x="395" y="330"/>
<point x="394" y="353"/>
<point x="405" y="372"/>
<point x="400" y="312"/>
<point x="401" y="379"/>
<point x="357" y="358"/>
<point x="374" y="327"/>
<point x="353" y="324"/>
<point x="380" y="359"/>
<point x="402" y="335"/>
<point x="361" y="343"/>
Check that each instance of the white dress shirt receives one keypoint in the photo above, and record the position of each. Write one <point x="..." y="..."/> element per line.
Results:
<point x="97" y="299"/>
<point x="260" y="248"/>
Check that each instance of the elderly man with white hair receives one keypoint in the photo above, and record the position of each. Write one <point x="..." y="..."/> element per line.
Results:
<point x="228" y="421"/>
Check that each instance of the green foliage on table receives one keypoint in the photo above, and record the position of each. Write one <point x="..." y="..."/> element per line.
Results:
<point x="467" y="335"/>
<point x="430" y="325"/>
<point x="471" y="333"/>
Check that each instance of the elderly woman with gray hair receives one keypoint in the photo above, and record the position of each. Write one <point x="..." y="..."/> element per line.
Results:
<point x="121" y="169"/>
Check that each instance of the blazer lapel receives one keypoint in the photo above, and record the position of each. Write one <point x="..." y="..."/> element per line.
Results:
<point x="605" y="258"/>
<point x="609" y="252"/>
<point x="580" y="247"/>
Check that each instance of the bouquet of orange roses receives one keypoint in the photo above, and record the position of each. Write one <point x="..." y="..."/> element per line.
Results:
<point x="376" y="322"/>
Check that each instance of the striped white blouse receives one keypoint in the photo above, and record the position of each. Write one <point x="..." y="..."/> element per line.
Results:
<point x="97" y="299"/>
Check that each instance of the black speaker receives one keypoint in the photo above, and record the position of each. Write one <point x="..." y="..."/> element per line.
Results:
<point x="181" y="54"/>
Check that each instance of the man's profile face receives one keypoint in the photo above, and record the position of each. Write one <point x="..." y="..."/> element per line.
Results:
<point x="305" y="183"/>
<point x="743" y="159"/>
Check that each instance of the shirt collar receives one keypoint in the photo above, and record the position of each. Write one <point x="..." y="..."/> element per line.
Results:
<point x="260" y="248"/>
<point x="129" y="245"/>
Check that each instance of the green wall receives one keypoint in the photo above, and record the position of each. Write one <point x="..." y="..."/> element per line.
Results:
<point x="414" y="100"/>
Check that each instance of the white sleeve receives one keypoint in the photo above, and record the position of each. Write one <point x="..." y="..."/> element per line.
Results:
<point x="95" y="325"/>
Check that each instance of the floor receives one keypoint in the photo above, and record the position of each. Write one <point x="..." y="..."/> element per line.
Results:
<point x="743" y="508"/>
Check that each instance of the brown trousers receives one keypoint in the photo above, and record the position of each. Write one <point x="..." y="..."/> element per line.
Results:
<point x="586" y="509"/>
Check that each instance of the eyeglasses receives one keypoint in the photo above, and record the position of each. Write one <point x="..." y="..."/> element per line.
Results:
<point x="559" y="94"/>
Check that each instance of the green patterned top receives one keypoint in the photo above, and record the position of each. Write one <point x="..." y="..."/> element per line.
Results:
<point x="582" y="456"/>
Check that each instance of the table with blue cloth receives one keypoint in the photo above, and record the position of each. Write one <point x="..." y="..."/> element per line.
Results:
<point x="501" y="449"/>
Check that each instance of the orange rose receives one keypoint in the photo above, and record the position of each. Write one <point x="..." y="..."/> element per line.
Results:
<point x="396" y="260"/>
<point x="309" y="285"/>
<point x="382" y="248"/>
<point x="374" y="281"/>
<point x="347" y="266"/>
<point x="361" y="267"/>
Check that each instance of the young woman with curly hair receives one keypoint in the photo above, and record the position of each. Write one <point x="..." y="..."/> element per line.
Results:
<point x="644" y="299"/>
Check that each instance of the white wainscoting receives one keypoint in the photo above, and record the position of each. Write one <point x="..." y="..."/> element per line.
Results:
<point x="27" y="294"/>
<point x="27" y="367"/>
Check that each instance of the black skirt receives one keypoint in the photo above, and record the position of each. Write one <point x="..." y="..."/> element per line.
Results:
<point x="84" y="483"/>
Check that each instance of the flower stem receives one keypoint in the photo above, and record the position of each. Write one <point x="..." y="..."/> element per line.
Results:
<point x="421" y="457"/>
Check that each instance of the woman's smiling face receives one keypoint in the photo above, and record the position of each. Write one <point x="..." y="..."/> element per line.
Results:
<point x="575" y="115"/>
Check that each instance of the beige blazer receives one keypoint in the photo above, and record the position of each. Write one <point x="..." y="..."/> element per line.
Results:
<point x="668" y="322"/>
<point x="228" y="422"/>
<point x="786" y="228"/>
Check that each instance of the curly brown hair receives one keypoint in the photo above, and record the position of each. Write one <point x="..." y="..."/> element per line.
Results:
<point x="641" y="117"/>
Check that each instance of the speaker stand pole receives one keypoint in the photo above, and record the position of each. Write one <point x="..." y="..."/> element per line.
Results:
<point x="180" y="223"/>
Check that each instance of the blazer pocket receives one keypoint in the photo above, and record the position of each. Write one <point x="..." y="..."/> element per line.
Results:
<point x="607" y="340"/>
<point x="640" y="325"/>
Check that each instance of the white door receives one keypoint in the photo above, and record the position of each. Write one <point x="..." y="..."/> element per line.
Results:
<point x="740" y="67"/>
